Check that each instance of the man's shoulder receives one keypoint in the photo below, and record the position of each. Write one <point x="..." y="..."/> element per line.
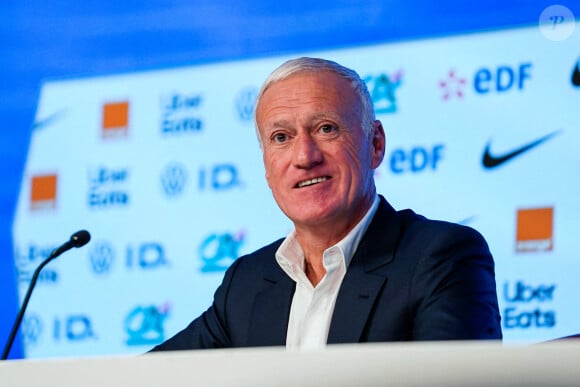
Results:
<point x="265" y="254"/>
<point x="267" y="250"/>
<point x="412" y="219"/>
<point x="408" y="221"/>
<point x="418" y="227"/>
<point x="393" y="232"/>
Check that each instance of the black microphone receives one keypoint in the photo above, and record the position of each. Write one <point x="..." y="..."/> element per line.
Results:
<point x="78" y="239"/>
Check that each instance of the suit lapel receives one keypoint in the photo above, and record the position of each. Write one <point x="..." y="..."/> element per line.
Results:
<point x="271" y="310"/>
<point x="363" y="281"/>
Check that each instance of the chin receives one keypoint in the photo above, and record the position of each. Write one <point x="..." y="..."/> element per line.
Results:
<point x="316" y="216"/>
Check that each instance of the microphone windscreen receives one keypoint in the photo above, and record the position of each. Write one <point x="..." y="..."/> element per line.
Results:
<point x="80" y="238"/>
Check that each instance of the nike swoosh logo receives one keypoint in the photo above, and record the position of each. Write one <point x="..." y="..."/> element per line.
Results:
<point x="49" y="120"/>
<point x="576" y="75"/>
<point x="493" y="161"/>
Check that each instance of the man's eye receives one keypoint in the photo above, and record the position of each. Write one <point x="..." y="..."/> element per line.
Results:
<point x="327" y="129"/>
<point x="279" y="137"/>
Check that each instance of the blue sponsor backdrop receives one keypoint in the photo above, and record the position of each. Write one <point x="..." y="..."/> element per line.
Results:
<point x="43" y="40"/>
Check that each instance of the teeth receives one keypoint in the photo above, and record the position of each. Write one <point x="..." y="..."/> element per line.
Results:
<point x="312" y="181"/>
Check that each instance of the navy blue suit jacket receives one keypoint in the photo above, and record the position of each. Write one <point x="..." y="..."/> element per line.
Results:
<point x="411" y="278"/>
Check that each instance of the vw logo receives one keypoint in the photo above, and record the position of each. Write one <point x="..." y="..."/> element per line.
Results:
<point x="245" y="103"/>
<point x="31" y="329"/>
<point x="173" y="179"/>
<point x="101" y="257"/>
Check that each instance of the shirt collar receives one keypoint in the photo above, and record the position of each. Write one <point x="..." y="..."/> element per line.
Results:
<point x="350" y="242"/>
<point x="290" y="256"/>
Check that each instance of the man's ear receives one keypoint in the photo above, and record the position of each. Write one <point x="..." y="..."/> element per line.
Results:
<point x="378" y="144"/>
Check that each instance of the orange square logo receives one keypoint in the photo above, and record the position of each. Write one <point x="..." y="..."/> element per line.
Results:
<point x="115" y="119"/>
<point x="43" y="192"/>
<point x="535" y="229"/>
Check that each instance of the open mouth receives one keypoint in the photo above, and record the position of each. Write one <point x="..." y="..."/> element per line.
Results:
<point x="316" y="180"/>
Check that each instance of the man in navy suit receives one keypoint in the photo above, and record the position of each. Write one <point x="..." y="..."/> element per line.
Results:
<point x="353" y="269"/>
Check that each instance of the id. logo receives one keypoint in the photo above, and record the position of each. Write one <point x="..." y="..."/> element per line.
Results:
<point x="74" y="327"/>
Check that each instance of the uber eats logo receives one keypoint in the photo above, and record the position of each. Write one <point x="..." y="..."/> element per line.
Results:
<point x="108" y="187"/>
<point x="528" y="305"/>
<point x="181" y="114"/>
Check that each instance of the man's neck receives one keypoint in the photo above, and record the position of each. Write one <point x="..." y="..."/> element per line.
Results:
<point x="314" y="240"/>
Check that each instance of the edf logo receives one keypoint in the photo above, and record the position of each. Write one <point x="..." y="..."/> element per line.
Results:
<point x="416" y="159"/>
<point x="502" y="78"/>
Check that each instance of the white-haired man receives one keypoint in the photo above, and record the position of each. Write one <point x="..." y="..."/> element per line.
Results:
<point x="353" y="269"/>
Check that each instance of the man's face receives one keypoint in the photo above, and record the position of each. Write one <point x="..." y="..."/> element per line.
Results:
<point x="319" y="163"/>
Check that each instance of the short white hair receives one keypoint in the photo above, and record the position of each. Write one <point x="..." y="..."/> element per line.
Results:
<point x="312" y="65"/>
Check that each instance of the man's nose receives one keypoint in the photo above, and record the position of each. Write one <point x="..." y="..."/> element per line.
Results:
<point x="307" y="153"/>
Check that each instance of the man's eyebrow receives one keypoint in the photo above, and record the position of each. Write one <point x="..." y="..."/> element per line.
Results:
<point x="279" y="124"/>
<point x="320" y="114"/>
<point x="317" y="116"/>
<point x="325" y="115"/>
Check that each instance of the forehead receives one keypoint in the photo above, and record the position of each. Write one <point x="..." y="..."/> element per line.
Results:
<point x="308" y="89"/>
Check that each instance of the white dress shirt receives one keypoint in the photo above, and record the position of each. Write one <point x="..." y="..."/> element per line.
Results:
<point x="312" y="307"/>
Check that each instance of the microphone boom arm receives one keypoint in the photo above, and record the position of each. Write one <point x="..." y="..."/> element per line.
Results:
<point x="78" y="239"/>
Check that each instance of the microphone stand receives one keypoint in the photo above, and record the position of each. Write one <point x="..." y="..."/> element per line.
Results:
<point x="20" y="315"/>
<point x="78" y="239"/>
